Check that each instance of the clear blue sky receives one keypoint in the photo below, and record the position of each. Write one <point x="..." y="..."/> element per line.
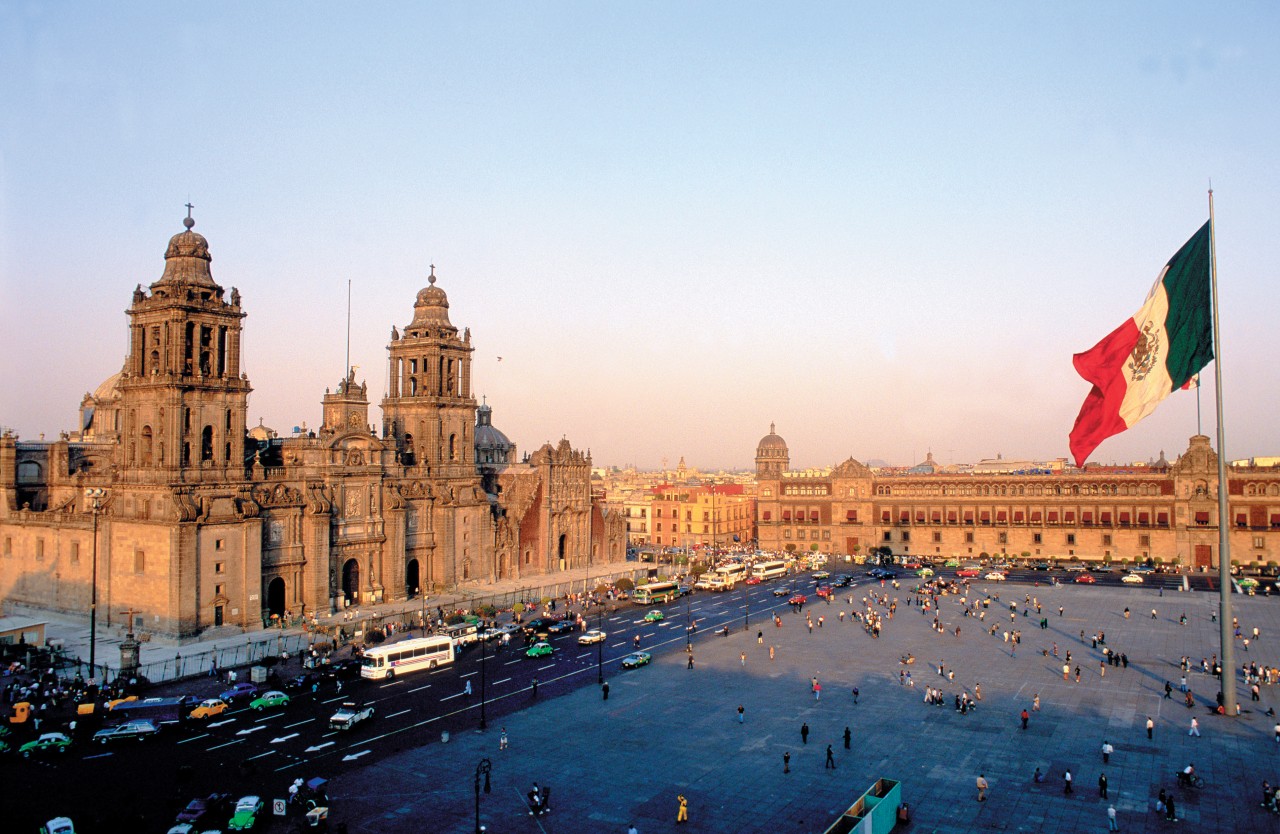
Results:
<point x="886" y="227"/>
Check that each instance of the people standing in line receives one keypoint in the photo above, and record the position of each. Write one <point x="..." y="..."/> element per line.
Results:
<point x="804" y="733"/>
<point x="982" y="788"/>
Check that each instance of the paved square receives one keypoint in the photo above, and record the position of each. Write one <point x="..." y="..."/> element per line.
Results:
<point x="668" y="730"/>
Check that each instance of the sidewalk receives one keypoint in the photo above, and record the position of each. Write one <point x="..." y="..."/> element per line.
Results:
<point x="244" y="646"/>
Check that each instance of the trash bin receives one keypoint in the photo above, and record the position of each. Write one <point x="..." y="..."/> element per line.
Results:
<point x="904" y="813"/>
<point x="444" y="737"/>
<point x="258" y="674"/>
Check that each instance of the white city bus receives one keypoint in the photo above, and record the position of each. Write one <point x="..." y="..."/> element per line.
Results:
<point x="407" y="656"/>
<point x="769" y="570"/>
<point x="656" y="592"/>
<point x="730" y="575"/>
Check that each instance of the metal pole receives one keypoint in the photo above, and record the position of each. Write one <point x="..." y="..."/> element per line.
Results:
<point x="1228" y="679"/>
<point x="483" y="768"/>
<point x="600" y="645"/>
<point x="94" y="495"/>
<point x="746" y="607"/>
<point x="483" y="723"/>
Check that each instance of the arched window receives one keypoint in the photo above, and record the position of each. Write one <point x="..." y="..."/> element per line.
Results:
<point x="413" y="386"/>
<point x="146" y="446"/>
<point x="206" y="444"/>
<point x="453" y="447"/>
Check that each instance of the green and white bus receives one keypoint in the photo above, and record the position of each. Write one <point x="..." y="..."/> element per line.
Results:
<point x="656" y="592"/>
<point x="407" y="656"/>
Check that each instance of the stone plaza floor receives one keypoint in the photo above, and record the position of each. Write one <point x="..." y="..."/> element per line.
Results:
<point x="668" y="730"/>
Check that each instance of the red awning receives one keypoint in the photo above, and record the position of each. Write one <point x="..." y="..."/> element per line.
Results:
<point x="920" y="516"/>
<point x="951" y="516"/>
<point x="1275" y="519"/>
<point x="1143" y="518"/>
<point x="968" y="516"/>
<point x="905" y="517"/>
<point x="1106" y="518"/>
<point x="1124" y="518"/>
<point x="1087" y="518"/>
<point x="768" y="514"/>
<point x="1035" y="516"/>
<point x="937" y="516"/>
<point x="1070" y="517"/>
<point x="1162" y="519"/>
<point x="1017" y="515"/>
<point x="986" y="515"/>
<point x="786" y="515"/>
<point x="884" y="516"/>
<point x="1000" y="515"/>
<point x="1053" y="516"/>
<point x="1202" y="518"/>
<point x="851" y="515"/>
<point x="813" y="515"/>
<point x="1242" y="520"/>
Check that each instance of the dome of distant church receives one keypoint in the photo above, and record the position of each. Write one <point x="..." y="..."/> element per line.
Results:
<point x="492" y="446"/>
<point x="109" y="389"/>
<point x="771" y="441"/>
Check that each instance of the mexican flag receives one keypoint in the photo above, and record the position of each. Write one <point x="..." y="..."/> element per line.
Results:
<point x="1156" y="352"/>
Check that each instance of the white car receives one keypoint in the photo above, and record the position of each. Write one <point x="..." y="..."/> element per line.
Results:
<point x="1132" y="579"/>
<point x="995" y="576"/>
<point x="595" y="635"/>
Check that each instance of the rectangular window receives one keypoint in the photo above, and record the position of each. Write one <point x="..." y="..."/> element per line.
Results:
<point x="659" y="526"/>
<point x="888" y="536"/>
<point x="1017" y="516"/>
<point x="1037" y="538"/>
<point x="75" y="553"/>
<point x="220" y="590"/>
<point x="219" y="544"/>
<point x="968" y="538"/>
<point x="219" y="567"/>
<point x="1202" y="518"/>
<point x="851" y="515"/>
<point x="1162" y="519"/>
<point x="786" y="534"/>
<point x="1106" y="540"/>
<point x="139" y="561"/>
<point x="1144" y="540"/>
<point x="906" y="535"/>
<point x="884" y="517"/>
<point x="39" y="550"/>
<point x="1259" y="543"/>
<point x="1106" y="518"/>
<point x="937" y="538"/>
<point x="1071" y="538"/>
<point x="1035" y="516"/>
<point x="1003" y="538"/>
<point x="768" y="515"/>
<point x="826" y="535"/>
<point x="8" y="546"/>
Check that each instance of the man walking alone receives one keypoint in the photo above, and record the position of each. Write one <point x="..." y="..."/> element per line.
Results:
<point x="982" y="788"/>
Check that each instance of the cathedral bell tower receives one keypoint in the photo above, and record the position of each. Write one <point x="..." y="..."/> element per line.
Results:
<point x="429" y="409"/>
<point x="183" y="398"/>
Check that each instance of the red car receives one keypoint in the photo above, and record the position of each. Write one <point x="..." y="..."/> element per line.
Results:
<point x="1086" y="578"/>
<point x="969" y="572"/>
<point x="754" y="580"/>
<point x="798" y="599"/>
<point x="823" y="591"/>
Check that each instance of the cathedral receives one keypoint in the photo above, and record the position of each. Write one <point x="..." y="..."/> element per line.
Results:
<point x="197" y="523"/>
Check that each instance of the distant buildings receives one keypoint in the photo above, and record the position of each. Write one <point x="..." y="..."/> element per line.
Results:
<point x="201" y="524"/>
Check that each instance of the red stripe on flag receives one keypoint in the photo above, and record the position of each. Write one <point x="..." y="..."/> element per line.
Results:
<point x="1102" y="365"/>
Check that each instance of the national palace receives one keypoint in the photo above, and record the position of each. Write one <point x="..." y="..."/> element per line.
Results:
<point x="201" y="523"/>
<point x="1164" y="511"/>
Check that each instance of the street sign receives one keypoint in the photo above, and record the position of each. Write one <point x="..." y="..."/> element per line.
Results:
<point x="278" y="807"/>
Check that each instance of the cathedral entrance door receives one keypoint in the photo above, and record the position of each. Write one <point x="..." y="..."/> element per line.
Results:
<point x="351" y="581"/>
<point x="563" y="538"/>
<point x="412" y="582"/>
<point x="275" y="597"/>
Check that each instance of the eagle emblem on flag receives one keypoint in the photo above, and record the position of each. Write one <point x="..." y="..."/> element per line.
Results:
<point x="1143" y="358"/>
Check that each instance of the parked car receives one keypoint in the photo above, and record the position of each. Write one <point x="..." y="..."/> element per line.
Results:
<point x="636" y="659"/>
<point x="1040" y="566"/>
<point x="595" y="635"/>
<point x="273" y="698"/>
<point x="1132" y="579"/>
<point x="654" y="616"/>
<point x="540" y="649"/>
<point x="239" y="691"/>
<point x="129" y="730"/>
<point x="246" y="813"/>
<point x="47" y="743"/>
<point x="209" y="708"/>
<point x="1086" y="579"/>
<point x="204" y="808"/>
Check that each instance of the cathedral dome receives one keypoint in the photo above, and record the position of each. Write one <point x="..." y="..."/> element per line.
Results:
<point x="109" y="389"/>
<point x="492" y="446"/>
<point x="431" y="310"/>
<point x="771" y="441"/>
<point x="187" y="259"/>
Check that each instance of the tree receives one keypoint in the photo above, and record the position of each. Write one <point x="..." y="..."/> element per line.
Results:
<point x="625" y="584"/>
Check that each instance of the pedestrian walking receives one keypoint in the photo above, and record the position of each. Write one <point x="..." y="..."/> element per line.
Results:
<point x="831" y="759"/>
<point x="466" y="690"/>
<point x="741" y="714"/>
<point x="1195" y="727"/>
<point x="771" y="652"/>
<point x="1168" y="690"/>
<point x="855" y="699"/>
<point x="534" y="687"/>
<point x="817" y="692"/>
<point x="631" y="829"/>
<point x="1111" y="818"/>
<point x="1102" y="786"/>
<point x="502" y="739"/>
<point x="604" y="691"/>
<point x="690" y="664"/>
<point x="786" y="762"/>
<point x="1170" y="809"/>
<point x="982" y="788"/>
<point x="1151" y="725"/>
<point x="804" y="733"/>
<point x="1035" y="703"/>
<point x="742" y="657"/>
<point x="1066" y="783"/>
<point x="1107" y="750"/>
<point x="1025" y="716"/>
<point x="1066" y="670"/>
<point x="848" y="736"/>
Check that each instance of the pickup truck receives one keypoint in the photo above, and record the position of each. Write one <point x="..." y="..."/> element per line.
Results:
<point x="349" y="715"/>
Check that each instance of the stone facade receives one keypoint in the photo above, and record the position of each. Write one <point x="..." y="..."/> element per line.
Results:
<point x="201" y="524"/>
<point x="1165" y="511"/>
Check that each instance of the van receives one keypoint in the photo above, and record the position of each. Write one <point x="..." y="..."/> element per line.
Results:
<point x="462" y="634"/>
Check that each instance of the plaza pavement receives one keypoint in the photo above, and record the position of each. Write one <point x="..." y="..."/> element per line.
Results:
<point x="667" y="730"/>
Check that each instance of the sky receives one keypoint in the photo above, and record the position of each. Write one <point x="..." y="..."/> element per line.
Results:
<point x="884" y="227"/>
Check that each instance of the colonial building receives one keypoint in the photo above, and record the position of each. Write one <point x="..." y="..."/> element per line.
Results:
<point x="200" y="524"/>
<point x="1166" y="511"/>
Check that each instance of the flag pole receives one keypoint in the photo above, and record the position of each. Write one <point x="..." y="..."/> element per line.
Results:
<point x="1226" y="635"/>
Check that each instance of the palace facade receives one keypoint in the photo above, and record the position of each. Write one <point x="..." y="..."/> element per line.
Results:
<point x="1166" y="511"/>
<point x="199" y="523"/>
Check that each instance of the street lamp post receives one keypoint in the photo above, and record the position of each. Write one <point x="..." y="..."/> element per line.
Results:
<point x="483" y="768"/>
<point x="600" y="644"/>
<point x="484" y="725"/>
<point x="688" y="629"/>
<point x="746" y="607"/>
<point x="95" y="495"/>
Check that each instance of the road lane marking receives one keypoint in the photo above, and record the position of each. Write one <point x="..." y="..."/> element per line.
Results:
<point x="451" y="697"/>
<point x="98" y="756"/>
<point x="468" y="674"/>
<point x="268" y="717"/>
<point x="228" y="744"/>
<point x="420" y="688"/>
<point x="504" y="680"/>
<point x="194" y="738"/>
<point x="509" y="662"/>
<point x="394" y="714"/>
<point x="260" y="755"/>
<point x="331" y="700"/>
<point x="584" y="654"/>
<point x="393" y="683"/>
<point x="316" y="747"/>
<point x="220" y="723"/>
<point x="246" y="732"/>
<point x="616" y="645"/>
<point x="299" y="724"/>
<point x="548" y="666"/>
<point x="280" y="739"/>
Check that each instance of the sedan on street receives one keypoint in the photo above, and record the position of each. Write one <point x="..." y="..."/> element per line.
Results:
<point x="47" y="743"/>
<point x="246" y="813"/>
<point x="636" y="659"/>
<point x="129" y="730"/>
<point x="995" y="576"/>
<point x="783" y="591"/>
<point x="244" y="689"/>
<point x="969" y="572"/>
<point x="654" y="616"/>
<point x="210" y="707"/>
<point x="595" y="635"/>
<point x="203" y="809"/>
<point x="1132" y="579"/>
<point x="798" y="599"/>
<point x="269" y="699"/>
<point x="540" y="650"/>
<point x="1086" y="579"/>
